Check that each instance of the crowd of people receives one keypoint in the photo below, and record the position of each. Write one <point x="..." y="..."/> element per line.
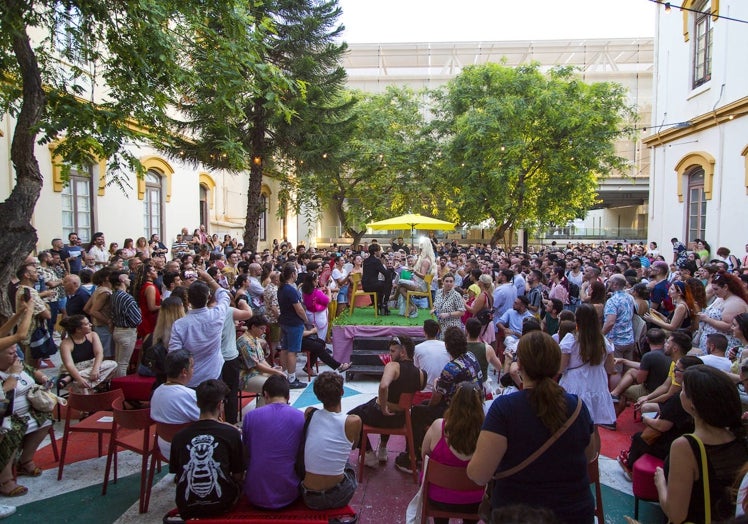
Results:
<point x="571" y="333"/>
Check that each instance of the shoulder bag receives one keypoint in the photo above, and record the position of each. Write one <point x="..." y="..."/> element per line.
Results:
<point x="704" y="474"/>
<point x="484" y="510"/>
<point x="42" y="344"/>
<point x="299" y="467"/>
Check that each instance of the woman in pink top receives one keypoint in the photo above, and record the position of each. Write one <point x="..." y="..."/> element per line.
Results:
<point x="316" y="299"/>
<point x="451" y="441"/>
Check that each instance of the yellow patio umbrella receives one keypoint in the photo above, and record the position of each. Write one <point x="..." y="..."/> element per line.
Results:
<point x="412" y="221"/>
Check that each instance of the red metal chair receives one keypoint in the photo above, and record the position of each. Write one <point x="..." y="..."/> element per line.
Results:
<point x="449" y="477"/>
<point x="166" y="432"/>
<point x="138" y="442"/>
<point x="98" y="406"/>
<point x="406" y="401"/>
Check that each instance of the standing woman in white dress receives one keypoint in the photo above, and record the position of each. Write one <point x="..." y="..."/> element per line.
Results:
<point x="586" y="362"/>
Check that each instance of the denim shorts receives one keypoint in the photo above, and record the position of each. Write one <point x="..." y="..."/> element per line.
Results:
<point x="291" y="337"/>
<point x="337" y="496"/>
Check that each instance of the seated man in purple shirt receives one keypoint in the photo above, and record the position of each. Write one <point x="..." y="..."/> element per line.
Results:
<point x="272" y="435"/>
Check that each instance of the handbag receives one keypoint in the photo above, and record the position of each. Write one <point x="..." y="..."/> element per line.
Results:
<point x="41" y="399"/>
<point x="42" y="344"/>
<point x="484" y="509"/>
<point x="650" y="435"/>
<point x="415" y="507"/>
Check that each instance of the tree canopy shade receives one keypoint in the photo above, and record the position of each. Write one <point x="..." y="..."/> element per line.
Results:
<point x="372" y="164"/>
<point x="264" y="76"/>
<point x="51" y="85"/>
<point x="524" y="148"/>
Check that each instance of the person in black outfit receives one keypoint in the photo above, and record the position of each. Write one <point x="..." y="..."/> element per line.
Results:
<point x="372" y="268"/>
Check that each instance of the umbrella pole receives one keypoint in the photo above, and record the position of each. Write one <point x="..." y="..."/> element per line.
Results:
<point x="412" y="235"/>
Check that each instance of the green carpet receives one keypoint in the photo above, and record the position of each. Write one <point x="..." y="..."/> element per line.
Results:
<point x="364" y="316"/>
<point x="84" y="506"/>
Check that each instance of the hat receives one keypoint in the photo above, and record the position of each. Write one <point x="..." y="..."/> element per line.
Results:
<point x="474" y="288"/>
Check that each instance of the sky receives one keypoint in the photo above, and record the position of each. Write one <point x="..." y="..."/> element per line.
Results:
<point x="401" y="21"/>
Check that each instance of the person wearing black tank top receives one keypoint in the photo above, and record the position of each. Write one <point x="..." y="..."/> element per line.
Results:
<point x="82" y="357"/>
<point x="400" y="376"/>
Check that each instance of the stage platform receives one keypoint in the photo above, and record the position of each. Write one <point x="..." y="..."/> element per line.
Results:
<point x="363" y="324"/>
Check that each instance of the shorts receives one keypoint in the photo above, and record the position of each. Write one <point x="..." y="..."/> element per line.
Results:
<point x="343" y="295"/>
<point x="291" y="337"/>
<point x="274" y="333"/>
<point x="623" y="351"/>
<point x="635" y="391"/>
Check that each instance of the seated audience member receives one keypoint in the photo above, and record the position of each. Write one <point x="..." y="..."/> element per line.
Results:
<point x="484" y="352"/>
<point x="643" y="377"/>
<point x="716" y="346"/>
<point x="255" y="369"/>
<point x="451" y="441"/>
<point x="463" y="367"/>
<point x="383" y="411"/>
<point x="317" y="348"/>
<point x="272" y="435"/>
<point x="173" y="402"/>
<point x="566" y="324"/>
<point x="709" y="396"/>
<point x="676" y="346"/>
<point x="330" y="480"/>
<point x="24" y="427"/>
<point x="83" y="357"/>
<point x="431" y="355"/>
<point x="659" y="433"/>
<point x="207" y="459"/>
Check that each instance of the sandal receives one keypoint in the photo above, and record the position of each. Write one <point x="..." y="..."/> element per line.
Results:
<point x="64" y="381"/>
<point x="343" y="367"/>
<point x="16" y="491"/>
<point x="28" y="469"/>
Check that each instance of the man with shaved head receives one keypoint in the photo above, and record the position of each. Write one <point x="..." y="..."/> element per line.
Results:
<point x="255" y="290"/>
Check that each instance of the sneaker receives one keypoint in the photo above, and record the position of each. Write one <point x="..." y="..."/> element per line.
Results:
<point x="610" y="427"/>
<point x="6" y="511"/>
<point x="296" y="384"/>
<point x="382" y="452"/>
<point x="402" y="462"/>
<point x="371" y="460"/>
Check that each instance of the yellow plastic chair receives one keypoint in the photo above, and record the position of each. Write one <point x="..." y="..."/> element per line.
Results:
<point x="356" y="283"/>
<point x="427" y="278"/>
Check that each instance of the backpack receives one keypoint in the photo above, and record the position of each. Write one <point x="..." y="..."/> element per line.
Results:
<point x="573" y="288"/>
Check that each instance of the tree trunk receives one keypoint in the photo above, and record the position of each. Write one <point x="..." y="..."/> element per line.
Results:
<point x="254" y="190"/>
<point x="498" y="234"/>
<point x="343" y="218"/>
<point x="19" y="237"/>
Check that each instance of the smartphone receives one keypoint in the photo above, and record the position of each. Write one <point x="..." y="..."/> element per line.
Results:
<point x="26" y="294"/>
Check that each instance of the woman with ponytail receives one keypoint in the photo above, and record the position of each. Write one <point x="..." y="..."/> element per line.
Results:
<point x="519" y="424"/>
<point x="710" y="397"/>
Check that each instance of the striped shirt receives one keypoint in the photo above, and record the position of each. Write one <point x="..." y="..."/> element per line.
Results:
<point x="125" y="311"/>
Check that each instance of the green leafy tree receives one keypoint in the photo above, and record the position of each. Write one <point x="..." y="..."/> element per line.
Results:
<point x="369" y="163"/>
<point x="51" y="85"/>
<point x="264" y="77"/>
<point x="524" y="148"/>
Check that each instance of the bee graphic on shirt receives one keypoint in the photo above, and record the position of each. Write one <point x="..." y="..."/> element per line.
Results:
<point x="202" y="472"/>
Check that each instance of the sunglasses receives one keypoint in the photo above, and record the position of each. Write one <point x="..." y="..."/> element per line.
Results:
<point x="394" y="341"/>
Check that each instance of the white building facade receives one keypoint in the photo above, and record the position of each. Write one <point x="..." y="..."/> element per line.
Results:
<point x="699" y="133"/>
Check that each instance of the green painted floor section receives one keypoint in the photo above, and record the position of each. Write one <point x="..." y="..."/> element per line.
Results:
<point x="83" y="506"/>
<point x="617" y="504"/>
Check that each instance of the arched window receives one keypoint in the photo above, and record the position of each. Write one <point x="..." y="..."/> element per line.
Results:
<point x="696" y="204"/>
<point x="78" y="204"/>
<point x="263" y="224"/>
<point x="152" y="204"/>
<point x="204" y="192"/>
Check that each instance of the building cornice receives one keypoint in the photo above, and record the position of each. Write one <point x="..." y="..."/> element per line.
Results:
<point x="726" y="113"/>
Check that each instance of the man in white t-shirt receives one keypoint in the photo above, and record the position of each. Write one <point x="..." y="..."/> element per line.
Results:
<point x="716" y="346"/>
<point x="173" y="402"/>
<point x="431" y="355"/>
